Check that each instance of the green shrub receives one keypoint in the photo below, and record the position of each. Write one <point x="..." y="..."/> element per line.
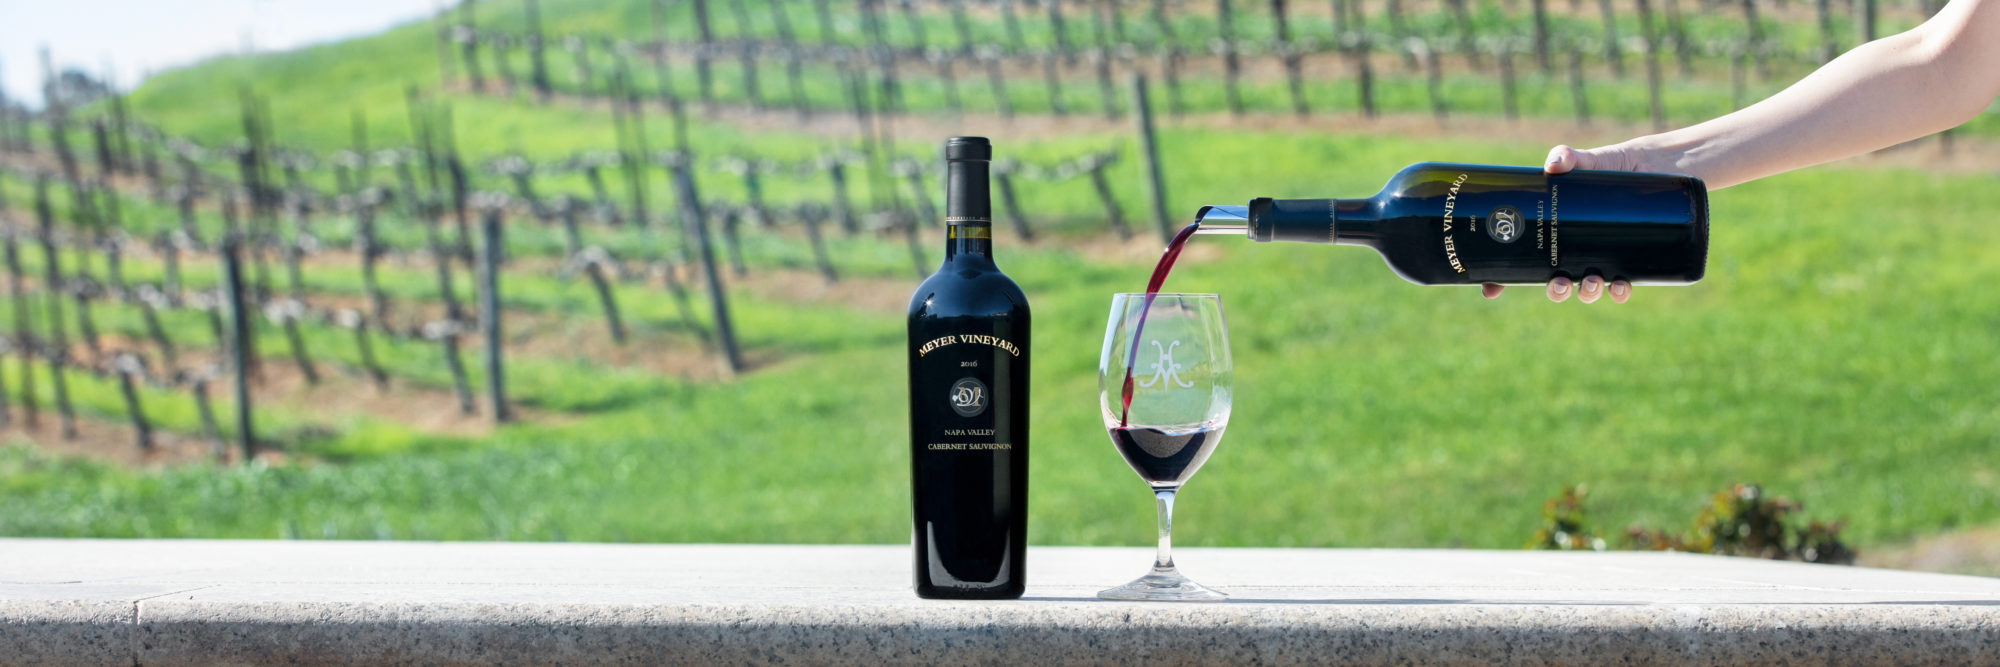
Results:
<point x="1739" y="521"/>
<point x="1564" y="525"/>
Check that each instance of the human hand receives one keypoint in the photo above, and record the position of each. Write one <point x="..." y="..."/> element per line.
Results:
<point x="1563" y="159"/>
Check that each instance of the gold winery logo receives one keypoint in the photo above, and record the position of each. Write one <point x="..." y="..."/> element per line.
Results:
<point x="994" y="341"/>
<point x="968" y="397"/>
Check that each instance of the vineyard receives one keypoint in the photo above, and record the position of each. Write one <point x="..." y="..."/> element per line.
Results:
<point x="250" y="214"/>
<point x="550" y="270"/>
<point x="1063" y="58"/>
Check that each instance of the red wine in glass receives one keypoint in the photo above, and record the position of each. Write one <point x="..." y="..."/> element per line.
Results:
<point x="1165" y="457"/>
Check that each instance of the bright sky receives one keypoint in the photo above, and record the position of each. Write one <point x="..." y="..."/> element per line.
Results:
<point x="137" y="37"/>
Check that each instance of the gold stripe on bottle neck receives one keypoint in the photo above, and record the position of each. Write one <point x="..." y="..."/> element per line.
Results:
<point x="958" y="231"/>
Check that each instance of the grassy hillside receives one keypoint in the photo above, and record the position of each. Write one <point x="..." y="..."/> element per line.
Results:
<point x="1839" y="351"/>
<point x="1835" y="352"/>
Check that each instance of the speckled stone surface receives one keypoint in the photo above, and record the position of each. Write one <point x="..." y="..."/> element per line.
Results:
<point x="225" y="602"/>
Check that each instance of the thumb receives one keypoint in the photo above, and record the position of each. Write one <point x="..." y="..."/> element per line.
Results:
<point x="1563" y="159"/>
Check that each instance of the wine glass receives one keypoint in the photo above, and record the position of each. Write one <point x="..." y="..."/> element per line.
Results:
<point x="1164" y="382"/>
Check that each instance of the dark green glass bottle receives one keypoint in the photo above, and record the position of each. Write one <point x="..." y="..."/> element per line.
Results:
<point x="1448" y="224"/>
<point x="968" y="354"/>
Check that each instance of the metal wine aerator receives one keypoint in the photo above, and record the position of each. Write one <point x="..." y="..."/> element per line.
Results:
<point x="1223" y="220"/>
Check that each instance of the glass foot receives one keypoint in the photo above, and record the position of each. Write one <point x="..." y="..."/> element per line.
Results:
<point x="1163" y="584"/>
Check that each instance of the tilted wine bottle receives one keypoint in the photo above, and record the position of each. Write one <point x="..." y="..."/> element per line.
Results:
<point x="969" y="402"/>
<point x="1448" y="224"/>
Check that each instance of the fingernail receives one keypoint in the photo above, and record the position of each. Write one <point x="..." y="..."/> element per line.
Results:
<point x="1562" y="288"/>
<point x="1620" y="290"/>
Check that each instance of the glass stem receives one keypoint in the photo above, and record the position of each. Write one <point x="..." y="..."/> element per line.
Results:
<point x="1165" y="498"/>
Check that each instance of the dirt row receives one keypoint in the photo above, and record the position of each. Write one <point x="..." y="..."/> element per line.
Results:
<point x="277" y="386"/>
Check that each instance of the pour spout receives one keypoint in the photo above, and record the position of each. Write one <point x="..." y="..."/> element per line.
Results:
<point x="1223" y="220"/>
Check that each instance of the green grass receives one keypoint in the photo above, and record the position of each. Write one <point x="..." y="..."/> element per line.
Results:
<point x="1834" y="353"/>
<point x="1838" y="352"/>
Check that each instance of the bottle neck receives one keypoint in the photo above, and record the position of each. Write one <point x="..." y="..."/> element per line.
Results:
<point x="1357" y="222"/>
<point x="1343" y="221"/>
<point x="968" y="239"/>
<point x="968" y="210"/>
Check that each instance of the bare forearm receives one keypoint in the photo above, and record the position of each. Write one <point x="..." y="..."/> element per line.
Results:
<point x="1880" y="94"/>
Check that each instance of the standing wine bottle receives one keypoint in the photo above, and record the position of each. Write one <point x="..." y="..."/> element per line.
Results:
<point x="1452" y="224"/>
<point x="969" y="402"/>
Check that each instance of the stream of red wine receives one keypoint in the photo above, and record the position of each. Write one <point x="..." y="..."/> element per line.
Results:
<point x="1160" y="272"/>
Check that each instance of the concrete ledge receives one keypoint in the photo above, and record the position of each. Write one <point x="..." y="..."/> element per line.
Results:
<point x="209" y="602"/>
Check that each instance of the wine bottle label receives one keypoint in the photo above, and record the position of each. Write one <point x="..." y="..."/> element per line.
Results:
<point x="964" y="368"/>
<point x="1503" y="223"/>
